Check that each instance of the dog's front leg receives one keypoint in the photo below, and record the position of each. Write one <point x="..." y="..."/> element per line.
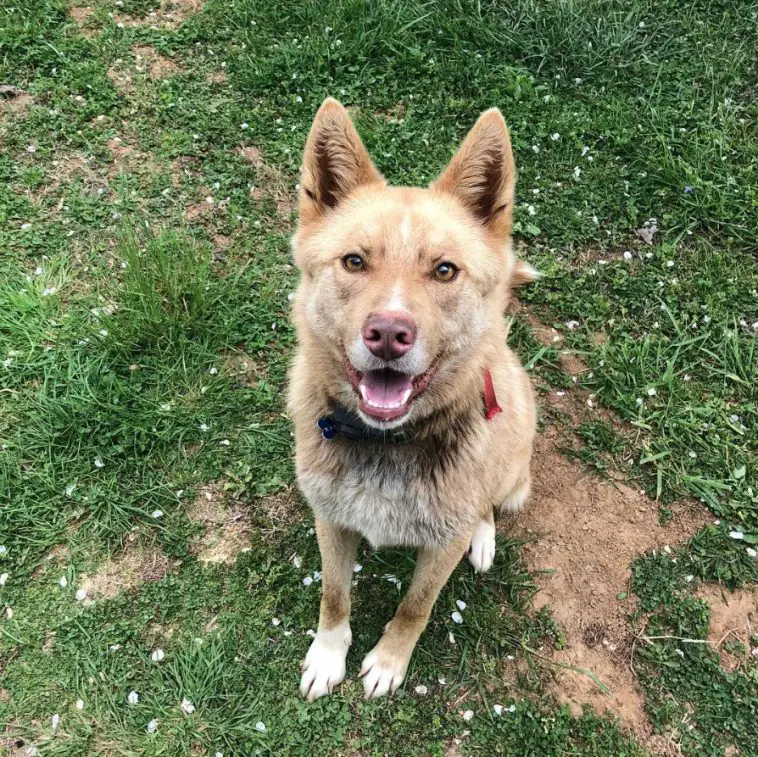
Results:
<point x="384" y="667"/>
<point x="324" y="665"/>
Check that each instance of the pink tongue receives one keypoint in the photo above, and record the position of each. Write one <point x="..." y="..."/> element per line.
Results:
<point x="385" y="387"/>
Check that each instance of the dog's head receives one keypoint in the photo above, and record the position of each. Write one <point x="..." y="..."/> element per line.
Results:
<point x="400" y="284"/>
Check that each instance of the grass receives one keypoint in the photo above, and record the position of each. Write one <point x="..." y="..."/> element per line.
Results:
<point x="126" y="320"/>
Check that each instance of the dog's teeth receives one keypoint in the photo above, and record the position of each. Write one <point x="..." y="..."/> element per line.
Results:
<point x="406" y="396"/>
<point x="362" y="390"/>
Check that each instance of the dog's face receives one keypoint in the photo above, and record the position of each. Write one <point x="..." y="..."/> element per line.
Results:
<point x="399" y="284"/>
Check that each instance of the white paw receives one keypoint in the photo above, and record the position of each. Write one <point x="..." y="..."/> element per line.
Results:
<point x="324" y="665"/>
<point x="482" y="550"/>
<point x="382" y="673"/>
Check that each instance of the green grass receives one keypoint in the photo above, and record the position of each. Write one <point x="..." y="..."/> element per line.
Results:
<point x="124" y="323"/>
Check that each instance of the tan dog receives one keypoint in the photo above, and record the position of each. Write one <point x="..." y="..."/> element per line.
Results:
<point x="426" y="417"/>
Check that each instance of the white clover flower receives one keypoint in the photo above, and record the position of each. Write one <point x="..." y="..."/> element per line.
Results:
<point x="9" y="613"/>
<point x="628" y="255"/>
<point x="63" y="582"/>
<point x="4" y="578"/>
<point x="157" y="513"/>
<point x="275" y="622"/>
<point x="498" y="708"/>
<point x="457" y="617"/>
<point x="213" y="371"/>
<point x="468" y="715"/>
<point x="669" y="264"/>
<point x="751" y="552"/>
<point x="79" y="704"/>
<point x="225" y="442"/>
<point x="555" y="136"/>
<point x="307" y="581"/>
<point x="421" y="690"/>
<point x="158" y="655"/>
<point x="577" y="172"/>
<point x="132" y="697"/>
<point x="99" y="463"/>
<point x="357" y="568"/>
<point x="81" y="595"/>
<point x="152" y="726"/>
<point x="3" y="549"/>
<point x="204" y="427"/>
<point x="47" y="291"/>
<point x="461" y="604"/>
<point x="260" y="727"/>
<point x="70" y="489"/>
<point x="297" y="561"/>
<point x="652" y="391"/>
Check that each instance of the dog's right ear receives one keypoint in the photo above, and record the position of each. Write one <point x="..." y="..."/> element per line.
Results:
<point x="335" y="162"/>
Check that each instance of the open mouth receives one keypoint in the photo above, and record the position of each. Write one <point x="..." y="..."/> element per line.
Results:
<point x="387" y="395"/>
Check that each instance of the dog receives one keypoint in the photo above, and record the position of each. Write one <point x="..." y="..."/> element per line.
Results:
<point x="413" y="420"/>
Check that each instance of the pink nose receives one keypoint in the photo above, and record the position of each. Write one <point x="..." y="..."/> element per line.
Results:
<point x="389" y="335"/>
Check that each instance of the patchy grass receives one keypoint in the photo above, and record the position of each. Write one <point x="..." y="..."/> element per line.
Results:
<point x="148" y="162"/>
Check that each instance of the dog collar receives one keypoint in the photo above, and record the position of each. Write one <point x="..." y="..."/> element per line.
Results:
<point x="343" y="422"/>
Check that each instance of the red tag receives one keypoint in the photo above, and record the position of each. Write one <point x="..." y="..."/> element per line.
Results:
<point x="491" y="408"/>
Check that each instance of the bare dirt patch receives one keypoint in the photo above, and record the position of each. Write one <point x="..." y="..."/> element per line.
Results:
<point x="169" y="15"/>
<point x="135" y="565"/>
<point x="227" y="526"/>
<point x="734" y="618"/>
<point x="81" y="14"/>
<point x="153" y="63"/>
<point x="121" y="77"/>
<point x="13" y="100"/>
<point x="588" y="532"/>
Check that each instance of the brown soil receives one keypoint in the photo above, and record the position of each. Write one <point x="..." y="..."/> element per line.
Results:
<point x="135" y="565"/>
<point x="227" y="526"/>
<point x="169" y="15"/>
<point x="81" y="15"/>
<point x="13" y="100"/>
<point x="734" y="617"/>
<point x="156" y="66"/>
<point x="589" y="531"/>
<point x="121" y="78"/>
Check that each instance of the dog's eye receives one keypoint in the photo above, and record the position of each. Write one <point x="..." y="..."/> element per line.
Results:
<point x="353" y="263"/>
<point x="445" y="272"/>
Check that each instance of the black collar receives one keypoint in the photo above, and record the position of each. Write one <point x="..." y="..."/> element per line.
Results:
<point x="345" y="423"/>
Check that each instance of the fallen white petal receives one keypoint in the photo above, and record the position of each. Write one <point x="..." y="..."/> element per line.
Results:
<point x="457" y="617"/>
<point x="468" y="715"/>
<point x="461" y="604"/>
<point x="152" y="726"/>
<point x="187" y="706"/>
<point x="260" y="726"/>
<point x="158" y="655"/>
<point x="132" y="697"/>
<point x="421" y="689"/>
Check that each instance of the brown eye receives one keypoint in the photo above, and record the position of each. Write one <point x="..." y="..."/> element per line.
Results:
<point x="445" y="272"/>
<point x="353" y="263"/>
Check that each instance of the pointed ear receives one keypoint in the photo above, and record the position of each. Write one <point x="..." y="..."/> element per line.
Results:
<point x="335" y="162"/>
<point x="482" y="175"/>
<point x="522" y="274"/>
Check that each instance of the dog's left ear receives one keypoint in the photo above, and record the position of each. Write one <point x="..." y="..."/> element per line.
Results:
<point x="335" y="162"/>
<point x="482" y="175"/>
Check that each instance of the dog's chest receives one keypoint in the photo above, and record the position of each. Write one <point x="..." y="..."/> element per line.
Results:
<point x="391" y="499"/>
